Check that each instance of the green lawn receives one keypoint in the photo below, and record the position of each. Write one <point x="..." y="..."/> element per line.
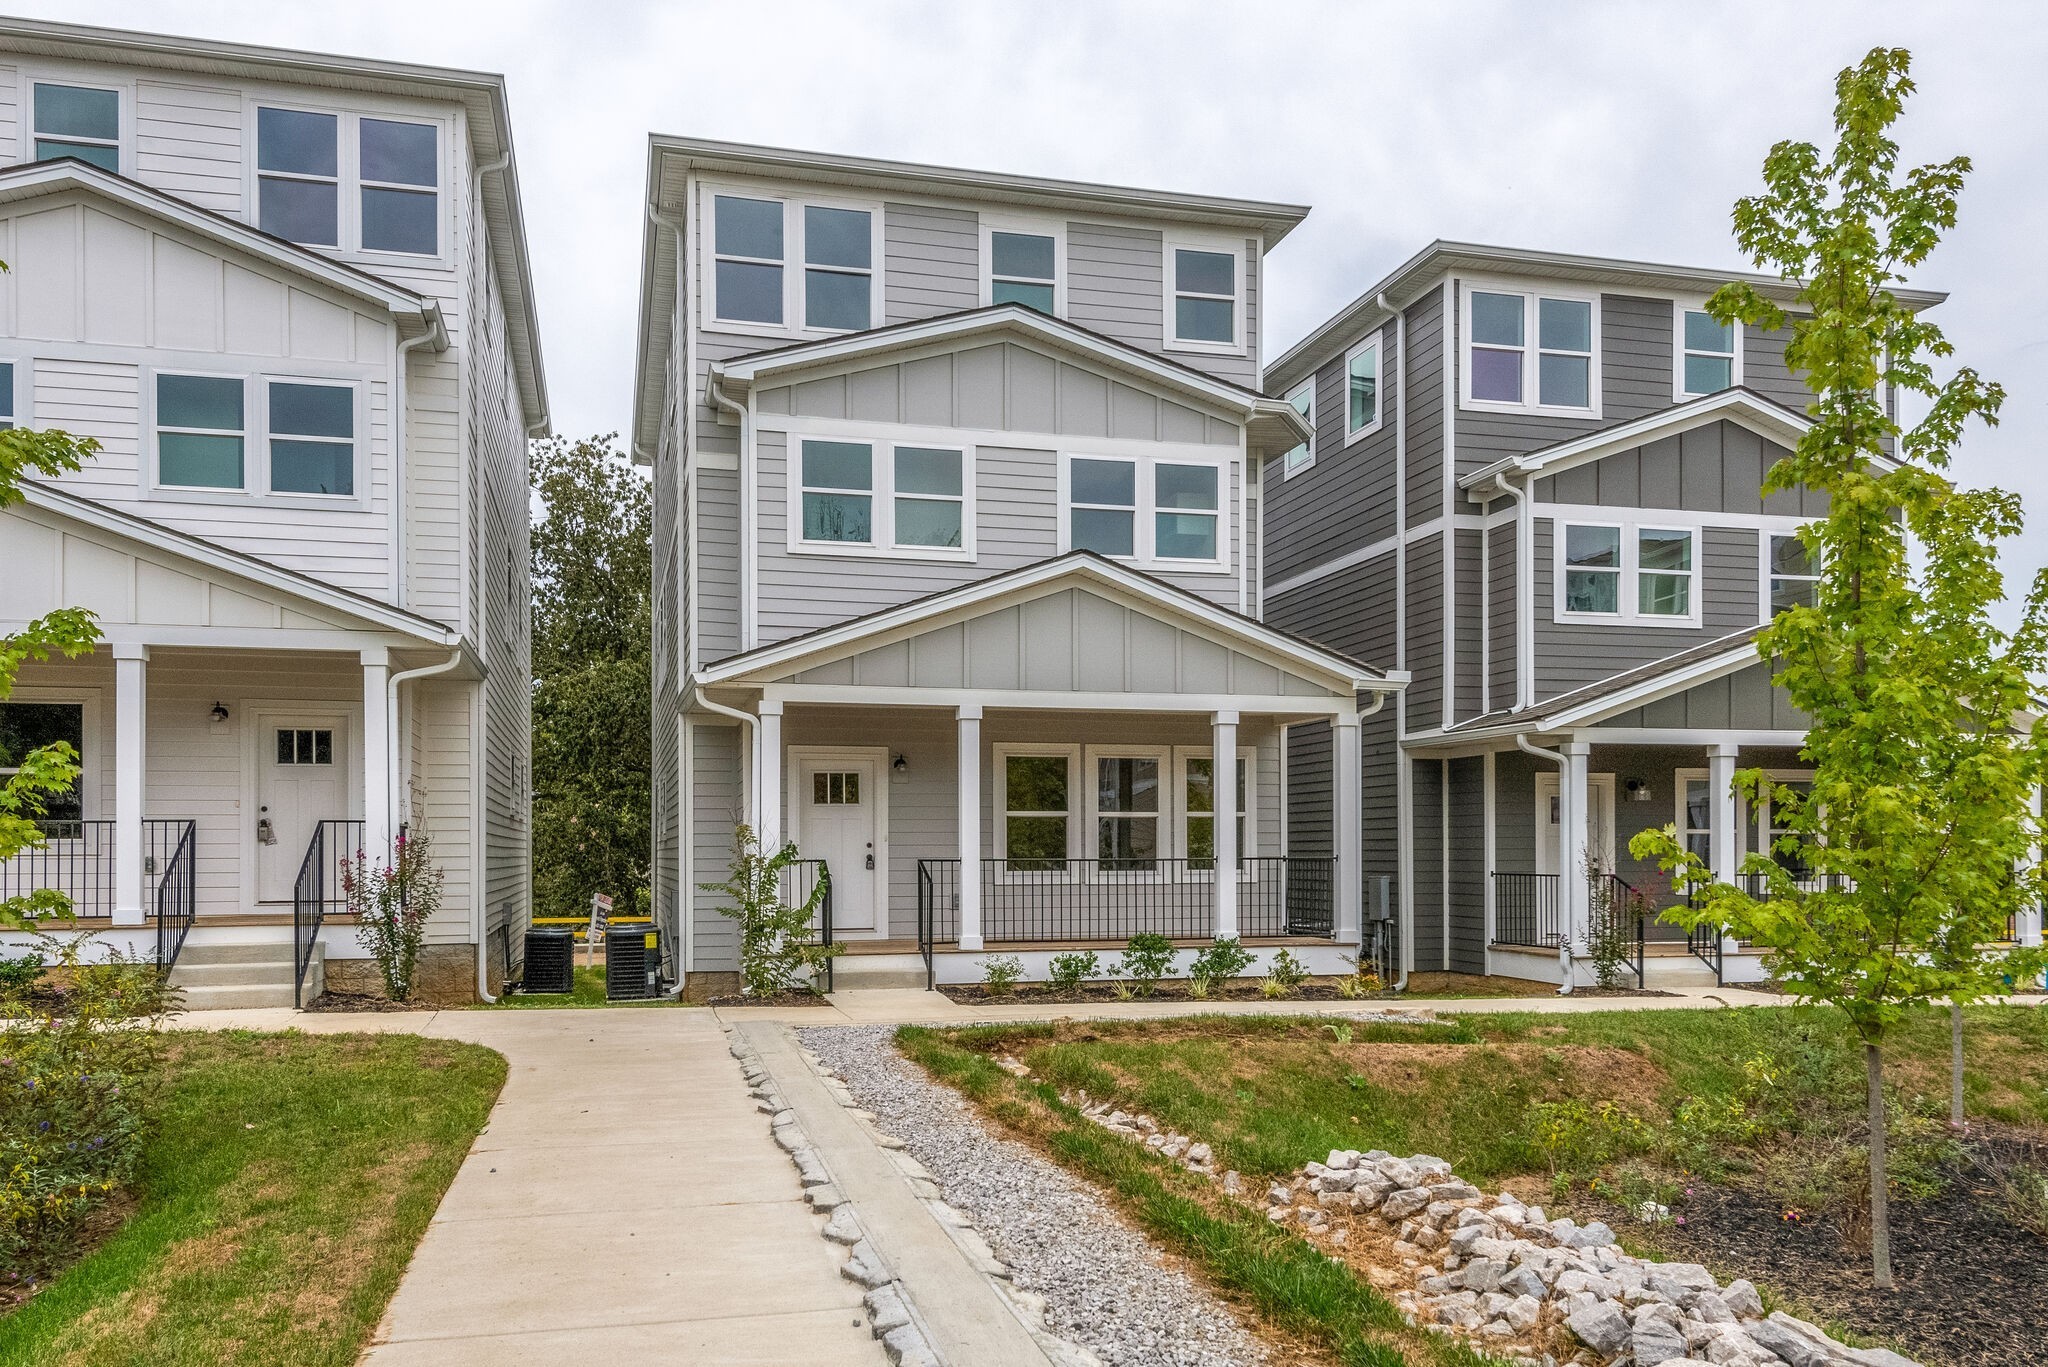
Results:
<point x="589" y="991"/>
<point x="290" y="1180"/>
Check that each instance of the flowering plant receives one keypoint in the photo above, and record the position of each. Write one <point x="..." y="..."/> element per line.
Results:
<point x="392" y="904"/>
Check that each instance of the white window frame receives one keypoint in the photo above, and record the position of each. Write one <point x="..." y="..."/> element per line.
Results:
<point x="1145" y="530"/>
<point x="1630" y="613"/>
<point x="1231" y="247"/>
<point x="1054" y="228"/>
<point x="254" y="463"/>
<point x="1681" y="819"/>
<point x="1248" y="756"/>
<point x="18" y="393"/>
<point x="1166" y="813"/>
<point x="256" y="434"/>
<point x="1679" y="350"/>
<point x="882" y="492"/>
<point x="348" y="171"/>
<point x="90" y="756"/>
<point x="1532" y="350"/>
<point x="999" y="757"/>
<point x="124" y="97"/>
<point x="793" y="324"/>
<point x="358" y="405"/>
<point x="1371" y="343"/>
<point x="1289" y="467"/>
<point x="1765" y="574"/>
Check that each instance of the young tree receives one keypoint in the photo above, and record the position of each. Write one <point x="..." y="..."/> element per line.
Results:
<point x="1914" y="844"/>
<point x="593" y="616"/>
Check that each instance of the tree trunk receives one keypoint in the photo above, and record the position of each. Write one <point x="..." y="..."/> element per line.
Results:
<point x="1880" y="1220"/>
<point x="1955" y="1080"/>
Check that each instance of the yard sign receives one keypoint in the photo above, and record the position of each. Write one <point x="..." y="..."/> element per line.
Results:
<point x="600" y="917"/>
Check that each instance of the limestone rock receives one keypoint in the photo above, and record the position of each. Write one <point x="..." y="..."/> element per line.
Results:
<point x="1602" y="1328"/>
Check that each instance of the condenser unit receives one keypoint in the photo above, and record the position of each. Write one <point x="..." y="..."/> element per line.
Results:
<point x="632" y="964"/>
<point x="550" y="961"/>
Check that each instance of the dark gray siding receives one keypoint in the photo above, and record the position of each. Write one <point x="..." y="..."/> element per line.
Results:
<point x="1570" y="655"/>
<point x="1425" y="633"/>
<point x="1514" y="810"/>
<point x="1651" y="766"/>
<point x="1635" y="356"/>
<point x="931" y="261"/>
<point x="1380" y="844"/>
<point x="1467" y="890"/>
<point x="1744" y="701"/>
<point x="1346" y="499"/>
<point x="1502" y="608"/>
<point x="1308" y="791"/>
<point x="1423" y="380"/>
<point x="1765" y="371"/>
<point x="1715" y="468"/>
<point x="1351" y="611"/>
<point x="1470" y="627"/>
<point x="1428" y="845"/>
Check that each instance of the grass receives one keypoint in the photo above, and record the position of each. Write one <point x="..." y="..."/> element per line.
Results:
<point x="589" y="991"/>
<point x="289" y="1181"/>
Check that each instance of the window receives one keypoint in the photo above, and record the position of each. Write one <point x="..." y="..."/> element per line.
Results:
<point x="400" y="170"/>
<point x="1023" y="268"/>
<point x="836" y="789"/>
<point x="1362" y="389"/>
<point x="1643" y="574"/>
<point x="78" y="121"/>
<point x="930" y="499"/>
<point x="747" y="243"/>
<point x="1502" y="368"/>
<point x="1791" y="578"/>
<point x="298" y="180"/>
<point x="1037" y="802"/>
<point x="1202" y="309"/>
<point x="1198" y="809"/>
<point x="913" y="501"/>
<point x="305" y="745"/>
<point x="312" y="438"/>
<point x="26" y="727"/>
<point x="838" y="268"/>
<point x="836" y="247"/>
<point x="199" y="431"/>
<point x="1145" y="509"/>
<point x="6" y="395"/>
<point x="1303" y="397"/>
<point x="1696" y="816"/>
<point x="838" y="485"/>
<point x="1709" y="358"/>
<point x="1127" y="812"/>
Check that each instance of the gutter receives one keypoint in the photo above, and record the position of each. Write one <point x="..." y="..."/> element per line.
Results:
<point x="1564" y="943"/>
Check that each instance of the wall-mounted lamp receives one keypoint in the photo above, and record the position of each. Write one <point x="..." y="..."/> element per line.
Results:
<point x="1638" y="790"/>
<point x="899" y="770"/>
<point x="219" y="713"/>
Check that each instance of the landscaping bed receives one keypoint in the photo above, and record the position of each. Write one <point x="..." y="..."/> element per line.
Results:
<point x="286" y="1182"/>
<point x="1431" y="985"/>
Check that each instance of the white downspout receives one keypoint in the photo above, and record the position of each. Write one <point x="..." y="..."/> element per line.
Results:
<point x="400" y="786"/>
<point x="1564" y="826"/>
<point x="1404" y="882"/>
<point x="1525" y="606"/>
<point x="400" y="421"/>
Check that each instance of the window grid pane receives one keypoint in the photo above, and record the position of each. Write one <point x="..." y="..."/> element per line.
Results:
<point x="78" y="112"/>
<point x="1021" y="256"/>
<point x="1708" y="374"/>
<point x="1362" y="385"/>
<point x="1036" y="811"/>
<point x="835" y="299"/>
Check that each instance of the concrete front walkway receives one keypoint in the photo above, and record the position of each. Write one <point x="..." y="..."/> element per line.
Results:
<point x="625" y="1205"/>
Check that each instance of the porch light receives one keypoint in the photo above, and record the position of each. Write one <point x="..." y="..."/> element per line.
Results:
<point x="1638" y="790"/>
<point x="219" y="713"/>
<point x="899" y="767"/>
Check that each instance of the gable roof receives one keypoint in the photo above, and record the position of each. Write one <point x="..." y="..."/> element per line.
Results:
<point x="49" y="498"/>
<point x="1420" y="272"/>
<point x="1073" y="568"/>
<point x="1620" y="692"/>
<point x="1270" y="422"/>
<point x="481" y="94"/>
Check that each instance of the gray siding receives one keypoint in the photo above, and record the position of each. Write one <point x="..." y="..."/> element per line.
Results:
<point x="717" y="523"/>
<point x="1351" y="611"/>
<point x="1309" y="830"/>
<point x="1635" y="379"/>
<point x="1346" y="499"/>
<point x="1114" y="283"/>
<point x="1514" y="810"/>
<point x="1717" y="468"/>
<point x="1422" y="378"/>
<point x="1467" y="889"/>
<point x="1425" y="633"/>
<point x="931" y="261"/>
<point x="1427" y="835"/>
<point x="1380" y="844"/>
<point x="1765" y="371"/>
<point x="1571" y="655"/>
<point x="1744" y="701"/>
<point x="1502" y="611"/>
<point x="715" y="806"/>
<point x="1469" y="628"/>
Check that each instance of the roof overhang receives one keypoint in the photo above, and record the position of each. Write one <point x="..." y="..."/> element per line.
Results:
<point x="1596" y="702"/>
<point x="1340" y="673"/>
<point x="481" y="94"/>
<point x="1421" y="272"/>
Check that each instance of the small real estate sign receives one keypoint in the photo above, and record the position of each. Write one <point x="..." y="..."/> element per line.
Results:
<point x="600" y="920"/>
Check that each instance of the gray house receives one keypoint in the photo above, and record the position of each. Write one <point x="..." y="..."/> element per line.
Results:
<point x="957" y="565"/>
<point x="1535" y="485"/>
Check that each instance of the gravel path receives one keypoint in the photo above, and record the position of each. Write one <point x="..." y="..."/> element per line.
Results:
<point x="1103" y="1283"/>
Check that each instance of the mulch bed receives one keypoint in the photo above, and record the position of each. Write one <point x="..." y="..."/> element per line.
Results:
<point x="975" y="994"/>
<point x="19" y="1285"/>
<point x="365" y="1001"/>
<point x="774" y="999"/>
<point x="1972" y="1287"/>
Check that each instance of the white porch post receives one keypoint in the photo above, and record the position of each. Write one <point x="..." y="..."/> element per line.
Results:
<point x="1223" y="821"/>
<point x="769" y="741"/>
<point x="131" y="704"/>
<point x="1722" y="854"/>
<point x="1349" y="842"/>
<point x="377" y="827"/>
<point x="1574" y="833"/>
<point x="969" y="822"/>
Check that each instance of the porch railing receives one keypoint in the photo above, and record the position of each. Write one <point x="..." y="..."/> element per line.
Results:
<point x="76" y="858"/>
<point x="799" y="880"/>
<point x="1706" y="943"/>
<point x="1527" y="913"/>
<point x="177" y="897"/>
<point x="317" y="892"/>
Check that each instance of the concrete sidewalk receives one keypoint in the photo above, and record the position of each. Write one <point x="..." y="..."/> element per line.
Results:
<point x="625" y="1204"/>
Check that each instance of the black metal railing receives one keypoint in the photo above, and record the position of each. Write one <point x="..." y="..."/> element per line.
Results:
<point x="177" y="896"/>
<point x="1706" y="943"/>
<point x="317" y="893"/>
<point x="929" y="907"/>
<point x="76" y="858"/>
<point x="1526" y="910"/>
<point x="799" y="880"/>
<point x="1616" y="911"/>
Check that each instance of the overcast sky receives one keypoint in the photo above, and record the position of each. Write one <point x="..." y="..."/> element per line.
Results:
<point x="1610" y="128"/>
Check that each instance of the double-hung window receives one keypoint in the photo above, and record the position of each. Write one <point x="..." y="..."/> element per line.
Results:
<point x="78" y="121"/>
<point x="1127" y="795"/>
<point x="747" y="265"/>
<point x="834" y="287"/>
<point x="1198" y="808"/>
<point x="900" y="498"/>
<point x="26" y="727"/>
<point x="1709" y="354"/>
<point x="1639" y="573"/>
<point x="399" y="166"/>
<point x="201" y="431"/>
<point x="1146" y="509"/>
<point x="1531" y="352"/>
<point x="1696" y="815"/>
<point x="839" y="268"/>
<point x="1202" y="306"/>
<point x="1362" y="389"/>
<point x="1023" y="267"/>
<point x="7" y="419"/>
<point x="1038" y="788"/>
<point x="349" y="181"/>
<point x="298" y="175"/>
<point x="312" y="438"/>
<point x="1791" y="577"/>
<point x="1300" y="457"/>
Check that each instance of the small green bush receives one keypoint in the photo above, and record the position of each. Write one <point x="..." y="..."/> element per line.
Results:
<point x="1284" y="974"/>
<point x="1227" y="958"/>
<point x="1580" y="1139"/>
<point x="1000" y="972"/>
<point x="17" y="976"/>
<point x="1067" y="972"/>
<point x="1147" y="959"/>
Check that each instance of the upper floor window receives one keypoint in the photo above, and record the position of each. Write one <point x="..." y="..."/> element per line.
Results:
<point x="750" y="279"/>
<point x="1709" y="354"/>
<point x="390" y="192"/>
<point x="1145" y="509"/>
<point x="200" y="431"/>
<point x="1202" y="306"/>
<point x="78" y="121"/>
<point x="1791" y="576"/>
<point x="399" y="165"/>
<point x="6" y="395"/>
<point x="298" y="176"/>
<point x="1362" y="389"/>
<point x="1616" y="572"/>
<point x="1531" y="352"/>
<point x="901" y="499"/>
<point x="1024" y="266"/>
<point x="304" y="432"/>
<point x="312" y="438"/>
<point x="1299" y="458"/>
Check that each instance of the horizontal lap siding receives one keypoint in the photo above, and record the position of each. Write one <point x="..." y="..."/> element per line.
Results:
<point x="1470" y="627"/>
<point x="1380" y="843"/>
<point x="1467" y="890"/>
<point x="717" y="548"/>
<point x="442" y="799"/>
<point x="1514" y="810"/>
<point x="931" y="261"/>
<point x="1308" y="791"/>
<point x="1114" y="284"/>
<point x="715" y="757"/>
<point x="1635" y="356"/>
<point x="1423" y="381"/>
<point x="1427" y="814"/>
<point x="188" y="140"/>
<point x="1346" y="499"/>
<point x="1765" y="371"/>
<point x="1503" y="610"/>
<point x="1654" y="766"/>
<point x="1425" y="634"/>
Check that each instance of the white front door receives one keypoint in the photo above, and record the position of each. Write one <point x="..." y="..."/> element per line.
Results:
<point x="302" y="778"/>
<point x="1599" y="820"/>
<point x="836" y="808"/>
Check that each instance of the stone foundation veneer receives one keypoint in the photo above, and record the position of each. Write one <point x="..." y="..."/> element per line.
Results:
<point x="446" y="977"/>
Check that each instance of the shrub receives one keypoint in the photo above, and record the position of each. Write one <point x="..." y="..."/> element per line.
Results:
<point x="392" y="904"/>
<point x="1611" y="931"/>
<point x="1362" y="981"/>
<point x="17" y="976"/>
<point x="1284" y="974"/>
<point x="1147" y="959"/>
<point x="1067" y="972"/>
<point x="1000" y="972"/>
<point x="777" y="953"/>
<point x="1577" y="1138"/>
<point x="1227" y="958"/>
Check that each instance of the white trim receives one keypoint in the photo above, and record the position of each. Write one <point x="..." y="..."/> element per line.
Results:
<point x="894" y="695"/>
<point x="795" y="323"/>
<point x="1530" y="350"/>
<point x="1676" y="517"/>
<point x="999" y="796"/>
<point x="82" y="78"/>
<point x="1628" y="591"/>
<point x="1679" y="393"/>
<point x="1289" y="467"/>
<point x="1371" y="342"/>
<point x="88" y="698"/>
<point x="1248" y="756"/>
<point x="348" y="180"/>
<point x="1145" y="510"/>
<point x="1028" y="225"/>
<point x="1170" y="291"/>
<point x="926" y="434"/>
<point x="881" y="495"/>
<point x="256" y="435"/>
<point x="1765" y="575"/>
<point x="794" y="758"/>
<point x="1163" y="811"/>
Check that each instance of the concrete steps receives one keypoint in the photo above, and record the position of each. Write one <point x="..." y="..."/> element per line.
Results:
<point x="221" y="977"/>
<point x="858" y="972"/>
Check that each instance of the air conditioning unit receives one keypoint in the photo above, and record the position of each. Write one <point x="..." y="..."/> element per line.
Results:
<point x="632" y="964"/>
<point x="550" y="961"/>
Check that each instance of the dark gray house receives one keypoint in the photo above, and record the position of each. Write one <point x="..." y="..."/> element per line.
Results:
<point x="1535" y="486"/>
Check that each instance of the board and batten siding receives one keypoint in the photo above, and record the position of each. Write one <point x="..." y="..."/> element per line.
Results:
<point x="1744" y="700"/>
<point x="1717" y="467"/>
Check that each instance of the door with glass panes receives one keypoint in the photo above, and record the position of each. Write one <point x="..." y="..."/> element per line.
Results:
<point x="302" y="768"/>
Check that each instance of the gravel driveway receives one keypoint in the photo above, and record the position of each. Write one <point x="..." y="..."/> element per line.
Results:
<point x="1103" y="1282"/>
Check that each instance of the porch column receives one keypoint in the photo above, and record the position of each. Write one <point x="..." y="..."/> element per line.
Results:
<point x="1573" y="900"/>
<point x="1722" y="854"/>
<point x="769" y="747"/>
<point x="1349" y="843"/>
<point x="377" y="827"/>
<point x="1223" y="820"/>
<point x="968" y="821"/>
<point x="131" y="703"/>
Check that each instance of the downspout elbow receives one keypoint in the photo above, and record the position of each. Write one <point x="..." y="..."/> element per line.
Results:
<point x="1564" y="949"/>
